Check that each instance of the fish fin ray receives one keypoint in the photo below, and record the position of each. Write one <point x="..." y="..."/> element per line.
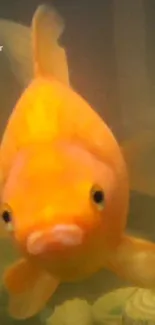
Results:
<point x="29" y="289"/>
<point x="16" y="41"/>
<point x="49" y="57"/>
<point x="134" y="260"/>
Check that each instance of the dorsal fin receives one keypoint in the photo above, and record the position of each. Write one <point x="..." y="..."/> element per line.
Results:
<point x="49" y="57"/>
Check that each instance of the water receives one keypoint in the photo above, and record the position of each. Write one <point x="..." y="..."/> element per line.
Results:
<point x="110" y="49"/>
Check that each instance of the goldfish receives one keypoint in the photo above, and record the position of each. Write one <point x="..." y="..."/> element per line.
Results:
<point x="64" y="185"/>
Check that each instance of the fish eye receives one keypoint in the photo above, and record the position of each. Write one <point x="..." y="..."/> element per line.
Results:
<point x="6" y="215"/>
<point x="98" y="197"/>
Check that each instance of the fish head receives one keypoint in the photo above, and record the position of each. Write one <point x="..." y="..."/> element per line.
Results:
<point x="63" y="201"/>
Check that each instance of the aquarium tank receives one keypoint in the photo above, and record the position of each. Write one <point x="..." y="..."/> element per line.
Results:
<point x="77" y="107"/>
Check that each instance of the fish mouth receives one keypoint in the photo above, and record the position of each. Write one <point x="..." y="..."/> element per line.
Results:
<point x="58" y="237"/>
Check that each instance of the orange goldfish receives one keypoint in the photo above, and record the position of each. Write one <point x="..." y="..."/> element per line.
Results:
<point x="64" y="185"/>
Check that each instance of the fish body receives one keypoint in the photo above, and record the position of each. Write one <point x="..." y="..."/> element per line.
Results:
<point x="48" y="144"/>
<point x="64" y="185"/>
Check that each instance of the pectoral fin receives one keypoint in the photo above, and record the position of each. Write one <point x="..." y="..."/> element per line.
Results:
<point x="134" y="260"/>
<point x="29" y="289"/>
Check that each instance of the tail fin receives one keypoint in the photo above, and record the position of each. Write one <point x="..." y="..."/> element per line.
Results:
<point x="16" y="41"/>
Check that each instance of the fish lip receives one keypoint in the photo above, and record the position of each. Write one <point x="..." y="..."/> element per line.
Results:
<point x="59" y="237"/>
<point x="75" y="234"/>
